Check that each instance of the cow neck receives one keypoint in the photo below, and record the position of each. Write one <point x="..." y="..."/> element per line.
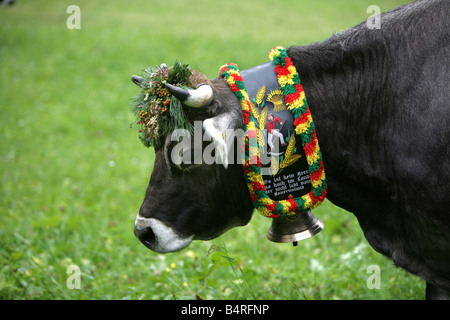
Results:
<point x="294" y="97"/>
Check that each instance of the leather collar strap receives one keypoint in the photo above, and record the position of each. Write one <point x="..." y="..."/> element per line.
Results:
<point x="285" y="189"/>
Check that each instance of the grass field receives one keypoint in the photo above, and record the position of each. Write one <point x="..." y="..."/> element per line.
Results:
<point x="73" y="174"/>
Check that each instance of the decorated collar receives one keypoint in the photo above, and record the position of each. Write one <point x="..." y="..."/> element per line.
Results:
<point x="294" y="181"/>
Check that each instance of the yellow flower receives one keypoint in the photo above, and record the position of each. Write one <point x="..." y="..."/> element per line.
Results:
<point x="308" y="201"/>
<point x="37" y="260"/>
<point x="318" y="183"/>
<point x="264" y="211"/>
<point x="286" y="79"/>
<point x="266" y="201"/>
<point x="286" y="206"/>
<point x="303" y="127"/>
<point x="274" y="52"/>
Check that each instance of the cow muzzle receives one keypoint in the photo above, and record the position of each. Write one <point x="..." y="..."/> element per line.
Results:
<point x="159" y="237"/>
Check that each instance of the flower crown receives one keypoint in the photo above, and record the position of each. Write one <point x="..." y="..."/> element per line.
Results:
<point x="157" y="111"/>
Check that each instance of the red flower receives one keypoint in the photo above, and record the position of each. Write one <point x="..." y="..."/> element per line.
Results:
<point x="310" y="147"/>
<point x="291" y="97"/>
<point x="298" y="88"/>
<point x="271" y="207"/>
<point x="234" y="87"/>
<point x="237" y="77"/>
<point x="313" y="198"/>
<point x="293" y="204"/>
<point x="246" y="118"/>
<point x="282" y="71"/>
<point x="302" y="119"/>
<point x="228" y="67"/>
<point x="288" y="63"/>
<point x="317" y="174"/>
<point x="258" y="186"/>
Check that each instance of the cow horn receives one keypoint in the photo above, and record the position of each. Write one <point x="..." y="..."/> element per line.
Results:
<point x="198" y="98"/>
<point x="137" y="80"/>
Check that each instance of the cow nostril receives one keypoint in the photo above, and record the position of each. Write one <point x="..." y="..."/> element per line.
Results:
<point x="146" y="236"/>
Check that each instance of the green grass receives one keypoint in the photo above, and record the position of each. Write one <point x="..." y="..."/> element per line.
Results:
<point x="73" y="174"/>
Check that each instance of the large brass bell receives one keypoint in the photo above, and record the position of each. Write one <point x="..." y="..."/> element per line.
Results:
<point x="294" y="228"/>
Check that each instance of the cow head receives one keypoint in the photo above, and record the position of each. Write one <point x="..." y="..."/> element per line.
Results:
<point x="196" y="201"/>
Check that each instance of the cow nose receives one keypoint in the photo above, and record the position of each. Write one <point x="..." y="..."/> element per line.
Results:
<point x="159" y="237"/>
<point x="145" y="235"/>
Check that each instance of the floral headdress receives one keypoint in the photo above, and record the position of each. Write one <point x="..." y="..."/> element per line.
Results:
<point x="157" y="111"/>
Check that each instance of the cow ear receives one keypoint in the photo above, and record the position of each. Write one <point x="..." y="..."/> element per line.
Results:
<point x="216" y="128"/>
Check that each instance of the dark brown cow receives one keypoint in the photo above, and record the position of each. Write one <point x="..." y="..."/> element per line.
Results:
<point x="380" y="99"/>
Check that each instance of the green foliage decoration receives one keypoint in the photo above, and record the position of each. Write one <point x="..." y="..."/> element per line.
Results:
<point x="159" y="113"/>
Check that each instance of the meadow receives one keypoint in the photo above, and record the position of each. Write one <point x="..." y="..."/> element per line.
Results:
<point x="73" y="173"/>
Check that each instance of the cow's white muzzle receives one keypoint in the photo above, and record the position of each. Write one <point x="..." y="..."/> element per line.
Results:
<point x="158" y="237"/>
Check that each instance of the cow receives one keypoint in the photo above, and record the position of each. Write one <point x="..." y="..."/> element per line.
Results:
<point x="380" y="99"/>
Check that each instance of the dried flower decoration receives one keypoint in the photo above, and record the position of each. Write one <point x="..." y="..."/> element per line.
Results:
<point x="158" y="113"/>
